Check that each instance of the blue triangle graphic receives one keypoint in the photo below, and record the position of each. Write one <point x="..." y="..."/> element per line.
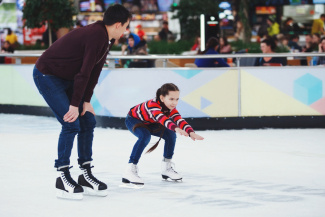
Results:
<point x="95" y="103"/>
<point x="188" y="73"/>
<point x="186" y="110"/>
<point x="102" y="76"/>
<point x="205" y="103"/>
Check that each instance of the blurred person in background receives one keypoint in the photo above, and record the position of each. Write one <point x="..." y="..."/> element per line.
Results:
<point x="224" y="47"/>
<point x="318" y="25"/>
<point x="197" y="44"/>
<point x="321" y="49"/>
<point x="273" y="26"/>
<point x="211" y="48"/>
<point x="293" y="43"/>
<point x="239" y="35"/>
<point x="308" y="44"/>
<point x="165" y="32"/>
<point x="268" y="46"/>
<point x="11" y="38"/>
<point x="6" y="48"/>
<point x="139" y="31"/>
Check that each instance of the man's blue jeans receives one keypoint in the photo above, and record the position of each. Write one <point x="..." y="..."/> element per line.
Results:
<point x="57" y="93"/>
<point x="144" y="136"/>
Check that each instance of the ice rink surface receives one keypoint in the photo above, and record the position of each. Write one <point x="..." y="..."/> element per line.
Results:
<point x="232" y="173"/>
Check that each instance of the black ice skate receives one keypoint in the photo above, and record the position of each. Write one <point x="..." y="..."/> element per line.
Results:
<point x="66" y="187"/>
<point x="90" y="184"/>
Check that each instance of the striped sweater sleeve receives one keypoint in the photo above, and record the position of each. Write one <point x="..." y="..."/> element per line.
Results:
<point x="181" y="123"/>
<point x="155" y="112"/>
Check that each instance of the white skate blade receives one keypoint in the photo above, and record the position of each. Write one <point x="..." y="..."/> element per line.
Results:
<point x="91" y="192"/>
<point x="131" y="185"/>
<point x="168" y="179"/>
<point x="66" y="195"/>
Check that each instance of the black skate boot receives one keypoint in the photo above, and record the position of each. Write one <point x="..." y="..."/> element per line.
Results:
<point x="66" y="187"/>
<point x="90" y="184"/>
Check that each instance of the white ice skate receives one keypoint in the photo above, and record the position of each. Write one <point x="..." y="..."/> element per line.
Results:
<point x="66" y="187"/>
<point x="130" y="178"/>
<point x="89" y="183"/>
<point x="168" y="172"/>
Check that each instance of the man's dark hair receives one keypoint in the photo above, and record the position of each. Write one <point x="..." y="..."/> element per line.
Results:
<point x="322" y="15"/>
<point x="116" y="14"/>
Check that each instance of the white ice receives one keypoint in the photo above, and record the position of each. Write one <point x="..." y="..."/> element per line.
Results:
<point x="232" y="173"/>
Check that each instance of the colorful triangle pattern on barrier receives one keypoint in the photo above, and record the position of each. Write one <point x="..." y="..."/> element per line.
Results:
<point x="268" y="100"/>
<point x="217" y="97"/>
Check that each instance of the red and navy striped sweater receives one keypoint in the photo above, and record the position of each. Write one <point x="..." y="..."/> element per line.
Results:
<point x="152" y="111"/>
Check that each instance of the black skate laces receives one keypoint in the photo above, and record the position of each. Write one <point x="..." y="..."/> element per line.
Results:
<point x="89" y="176"/>
<point x="67" y="177"/>
<point x="170" y="166"/>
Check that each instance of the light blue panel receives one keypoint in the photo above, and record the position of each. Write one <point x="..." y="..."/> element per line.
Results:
<point x="308" y="89"/>
<point x="205" y="103"/>
<point x="103" y="75"/>
<point x="188" y="73"/>
<point x="96" y="104"/>
<point x="186" y="110"/>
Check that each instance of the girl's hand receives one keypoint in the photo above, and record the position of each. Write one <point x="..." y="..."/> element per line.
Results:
<point x="87" y="107"/>
<point x="195" y="136"/>
<point x="181" y="132"/>
<point x="72" y="114"/>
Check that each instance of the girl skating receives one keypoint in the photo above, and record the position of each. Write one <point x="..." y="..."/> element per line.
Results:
<point x="160" y="118"/>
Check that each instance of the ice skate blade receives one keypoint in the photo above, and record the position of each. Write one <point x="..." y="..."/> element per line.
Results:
<point x="91" y="192"/>
<point x="70" y="196"/>
<point x="131" y="185"/>
<point x="168" y="179"/>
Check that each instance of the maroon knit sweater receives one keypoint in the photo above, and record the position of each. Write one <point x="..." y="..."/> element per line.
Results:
<point x="78" y="56"/>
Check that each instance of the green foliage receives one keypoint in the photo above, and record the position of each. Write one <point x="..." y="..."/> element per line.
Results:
<point x="241" y="46"/>
<point x="253" y="47"/>
<point x="58" y="13"/>
<point x="31" y="47"/>
<point x="188" y="12"/>
<point x="163" y="47"/>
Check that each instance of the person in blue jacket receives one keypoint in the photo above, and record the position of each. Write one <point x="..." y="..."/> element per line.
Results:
<point x="211" y="47"/>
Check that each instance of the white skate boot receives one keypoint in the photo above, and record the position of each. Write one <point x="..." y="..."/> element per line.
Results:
<point x="130" y="178"/>
<point x="66" y="187"/>
<point x="167" y="171"/>
<point x="89" y="183"/>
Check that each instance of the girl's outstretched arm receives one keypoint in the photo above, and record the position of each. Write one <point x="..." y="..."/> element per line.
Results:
<point x="195" y="136"/>
<point x="181" y="132"/>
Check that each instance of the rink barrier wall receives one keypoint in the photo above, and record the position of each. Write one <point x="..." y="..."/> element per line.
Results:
<point x="220" y="98"/>
<point x="225" y="123"/>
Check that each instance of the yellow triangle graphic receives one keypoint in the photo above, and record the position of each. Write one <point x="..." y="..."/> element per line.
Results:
<point x="261" y="99"/>
<point x="222" y="92"/>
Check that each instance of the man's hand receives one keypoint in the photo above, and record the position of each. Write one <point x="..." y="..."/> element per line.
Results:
<point x="72" y="114"/>
<point x="87" y="107"/>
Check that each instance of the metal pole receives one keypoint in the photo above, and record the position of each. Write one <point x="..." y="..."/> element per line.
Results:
<point x="239" y="86"/>
<point x="164" y="63"/>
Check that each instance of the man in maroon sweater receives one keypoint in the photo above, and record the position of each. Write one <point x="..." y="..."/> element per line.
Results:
<point x="66" y="75"/>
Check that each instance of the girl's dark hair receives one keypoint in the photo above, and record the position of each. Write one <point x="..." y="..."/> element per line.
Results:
<point x="212" y="43"/>
<point x="115" y="14"/>
<point x="162" y="91"/>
